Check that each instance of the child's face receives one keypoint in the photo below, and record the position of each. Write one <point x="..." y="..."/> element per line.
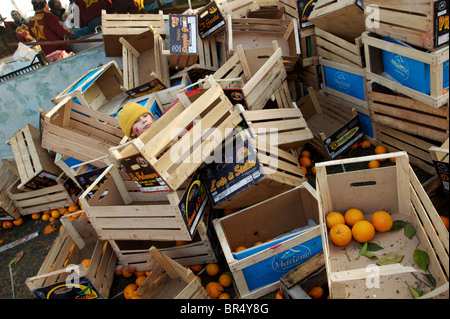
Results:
<point x="142" y="123"/>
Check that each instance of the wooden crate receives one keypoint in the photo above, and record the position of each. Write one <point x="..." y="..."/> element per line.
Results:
<point x="327" y="119"/>
<point x="333" y="48"/>
<point x="408" y="115"/>
<point x="308" y="46"/>
<point x="311" y="76"/>
<point x="115" y="26"/>
<point x="440" y="158"/>
<point x="247" y="171"/>
<point x="253" y="33"/>
<point x="264" y="222"/>
<point x="35" y="165"/>
<point x="62" y="276"/>
<point x="405" y="199"/>
<point x="126" y="213"/>
<point x="201" y="250"/>
<point x="142" y="56"/>
<point x="283" y="127"/>
<point x="99" y="89"/>
<point x="175" y="160"/>
<point x="237" y="8"/>
<point x="344" y="18"/>
<point x="420" y="23"/>
<point x="8" y="176"/>
<point x="347" y="83"/>
<point x="436" y="61"/>
<point x="36" y="201"/>
<point x="79" y="228"/>
<point x="170" y="280"/>
<point x="415" y="145"/>
<point x="79" y="132"/>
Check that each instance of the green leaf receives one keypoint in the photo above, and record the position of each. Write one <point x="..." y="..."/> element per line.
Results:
<point x="414" y="292"/>
<point x="397" y="225"/>
<point x="410" y="231"/>
<point x="390" y="258"/>
<point x="421" y="258"/>
<point x="431" y="280"/>
<point x="363" y="249"/>
<point x="369" y="254"/>
<point x="373" y="247"/>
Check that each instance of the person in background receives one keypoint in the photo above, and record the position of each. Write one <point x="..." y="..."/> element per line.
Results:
<point x="57" y="9"/>
<point x="90" y="12"/>
<point x="134" y="119"/>
<point x="18" y="20"/>
<point x="129" y="6"/>
<point x="45" y="26"/>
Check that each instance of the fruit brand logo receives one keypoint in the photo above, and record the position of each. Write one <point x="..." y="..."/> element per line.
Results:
<point x="197" y="191"/>
<point x="443" y="23"/>
<point x="242" y="153"/>
<point x="442" y="5"/>
<point x="175" y="21"/>
<point x="212" y="10"/>
<point x="400" y="65"/>
<point x="344" y="138"/>
<point x="291" y="258"/>
<point x="342" y="82"/>
<point x="82" y="291"/>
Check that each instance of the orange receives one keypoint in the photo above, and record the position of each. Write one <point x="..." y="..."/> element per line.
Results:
<point x="55" y="213"/>
<point x="380" y="149"/>
<point x="352" y="216"/>
<point x="279" y="295"/>
<point x="313" y="170"/>
<point x="73" y="208"/>
<point x="196" y="268"/>
<point x="355" y="146"/>
<point x="36" y="216"/>
<point x="224" y="295"/>
<point x="334" y="218"/>
<point x="305" y="171"/>
<point x="7" y="224"/>
<point x="214" y="289"/>
<point x="257" y="243"/>
<point x="305" y="161"/>
<point x="198" y="277"/>
<point x="45" y="217"/>
<point x="118" y="271"/>
<point x="374" y="164"/>
<point x="366" y="144"/>
<point x="86" y="262"/>
<point x="306" y="153"/>
<point x="225" y="280"/>
<point x="240" y="248"/>
<point x="19" y="221"/>
<point x="126" y="273"/>
<point x="316" y="292"/>
<point x="212" y="269"/>
<point x="392" y="159"/>
<point x="445" y="221"/>
<point x="129" y="291"/>
<point x="340" y="235"/>
<point x="382" y="221"/>
<point x="363" y="231"/>
<point x="140" y="280"/>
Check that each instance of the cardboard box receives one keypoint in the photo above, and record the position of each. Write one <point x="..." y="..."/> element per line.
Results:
<point x="305" y="7"/>
<point x="257" y="270"/>
<point x="183" y="41"/>
<point x="396" y="190"/>
<point x="210" y="20"/>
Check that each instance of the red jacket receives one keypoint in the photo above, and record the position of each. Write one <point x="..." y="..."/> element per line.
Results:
<point x="89" y="9"/>
<point x="46" y="26"/>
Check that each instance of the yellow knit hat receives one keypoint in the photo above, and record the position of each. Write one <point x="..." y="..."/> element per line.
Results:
<point x="129" y="114"/>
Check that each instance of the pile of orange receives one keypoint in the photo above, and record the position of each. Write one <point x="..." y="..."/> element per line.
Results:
<point x="215" y="288"/>
<point x="306" y="162"/>
<point x="353" y="225"/>
<point x="7" y="224"/>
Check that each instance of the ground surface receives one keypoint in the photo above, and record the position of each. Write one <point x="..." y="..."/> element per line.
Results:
<point x="35" y="250"/>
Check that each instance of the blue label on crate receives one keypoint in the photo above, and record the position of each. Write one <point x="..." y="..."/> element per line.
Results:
<point x="273" y="268"/>
<point x="345" y="82"/>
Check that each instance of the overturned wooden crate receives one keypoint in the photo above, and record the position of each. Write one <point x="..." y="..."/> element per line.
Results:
<point x="175" y="159"/>
<point x="282" y="127"/>
<point x="142" y="54"/>
<point x="405" y="200"/>
<point x="119" y="210"/>
<point x="335" y="127"/>
<point x="170" y="280"/>
<point x="115" y="26"/>
<point x="62" y="275"/>
<point x="99" y="89"/>
<point x="246" y="171"/>
<point x="420" y="23"/>
<point x="38" y="200"/>
<point x="287" y="226"/>
<point x="35" y="165"/>
<point x="253" y="33"/>
<point x="420" y="75"/>
<point x="79" y="132"/>
<point x="8" y="176"/>
<point x="202" y="249"/>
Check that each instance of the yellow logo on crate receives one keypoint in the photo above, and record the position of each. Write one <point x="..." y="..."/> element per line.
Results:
<point x="345" y="137"/>
<point x="84" y="292"/>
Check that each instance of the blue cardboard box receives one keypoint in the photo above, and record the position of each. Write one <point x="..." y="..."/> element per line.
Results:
<point x="409" y="72"/>
<point x="345" y="82"/>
